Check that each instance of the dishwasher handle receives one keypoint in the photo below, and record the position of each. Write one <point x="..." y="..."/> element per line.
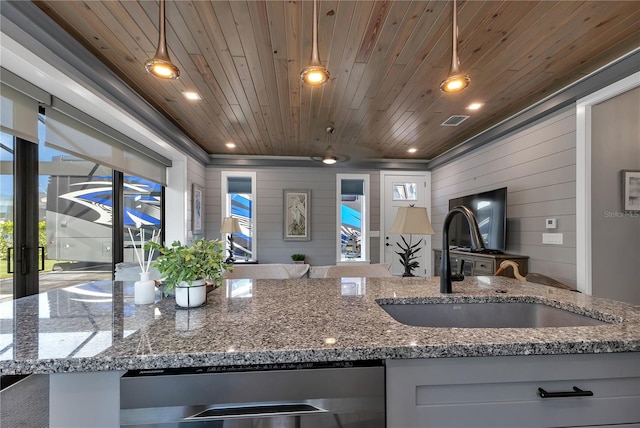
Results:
<point x="256" y="410"/>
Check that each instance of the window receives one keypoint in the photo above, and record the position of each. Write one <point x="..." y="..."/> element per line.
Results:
<point x="142" y="213"/>
<point x="352" y="217"/>
<point x="238" y="196"/>
<point x="405" y="191"/>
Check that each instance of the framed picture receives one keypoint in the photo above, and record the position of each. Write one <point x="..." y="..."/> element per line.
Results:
<point x="297" y="215"/>
<point x="631" y="190"/>
<point x="197" y="209"/>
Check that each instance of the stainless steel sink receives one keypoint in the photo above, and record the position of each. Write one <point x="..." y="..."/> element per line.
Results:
<point x="486" y="315"/>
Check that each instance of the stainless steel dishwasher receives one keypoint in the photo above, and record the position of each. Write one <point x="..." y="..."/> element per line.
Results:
<point x="301" y="395"/>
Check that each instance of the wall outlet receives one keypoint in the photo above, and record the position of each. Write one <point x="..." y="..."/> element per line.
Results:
<point x="550" y="223"/>
<point x="552" y="238"/>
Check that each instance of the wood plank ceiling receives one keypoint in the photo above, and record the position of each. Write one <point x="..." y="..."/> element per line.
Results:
<point x="386" y="60"/>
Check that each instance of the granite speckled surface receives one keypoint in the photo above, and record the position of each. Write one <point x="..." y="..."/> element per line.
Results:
<point x="97" y="327"/>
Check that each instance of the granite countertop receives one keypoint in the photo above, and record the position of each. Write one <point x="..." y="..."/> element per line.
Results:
<point x="96" y="326"/>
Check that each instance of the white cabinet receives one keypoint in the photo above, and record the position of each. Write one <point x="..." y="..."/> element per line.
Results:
<point x="504" y="391"/>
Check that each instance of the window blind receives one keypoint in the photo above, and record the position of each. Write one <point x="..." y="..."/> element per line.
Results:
<point x="351" y="187"/>
<point x="74" y="132"/>
<point x="239" y="185"/>
<point x="18" y="114"/>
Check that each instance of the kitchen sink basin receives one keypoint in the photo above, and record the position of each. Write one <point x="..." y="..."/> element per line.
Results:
<point x="486" y="315"/>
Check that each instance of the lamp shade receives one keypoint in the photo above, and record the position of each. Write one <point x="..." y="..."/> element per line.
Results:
<point x="230" y="225"/>
<point x="412" y="220"/>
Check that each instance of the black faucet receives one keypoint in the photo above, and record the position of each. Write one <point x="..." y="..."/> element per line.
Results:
<point x="477" y="244"/>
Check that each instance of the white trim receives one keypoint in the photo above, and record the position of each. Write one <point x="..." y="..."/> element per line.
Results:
<point x="583" y="176"/>
<point x="365" y="234"/>
<point x="225" y="210"/>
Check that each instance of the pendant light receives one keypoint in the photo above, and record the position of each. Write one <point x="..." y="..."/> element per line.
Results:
<point x="457" y="81"/>
<point x="315" y="74"/>
<point x="329" y="154"/>
<point x="160" y="65"/>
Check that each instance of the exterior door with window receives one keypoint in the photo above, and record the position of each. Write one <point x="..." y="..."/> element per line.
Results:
<point x="401" y="189"/>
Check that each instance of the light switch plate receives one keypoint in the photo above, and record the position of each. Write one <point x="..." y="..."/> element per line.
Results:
<point x="552" y="238"/>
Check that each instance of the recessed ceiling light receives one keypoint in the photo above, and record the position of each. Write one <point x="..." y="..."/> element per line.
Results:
<point x="412" y="150"/>
<point x="192" y="96"/>
<point x="474" y="106"/>
<point x="231" y="145"/>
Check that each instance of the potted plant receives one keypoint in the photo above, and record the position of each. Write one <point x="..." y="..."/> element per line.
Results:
<point x="298" y="258"/>
<point x="187" y="268"/>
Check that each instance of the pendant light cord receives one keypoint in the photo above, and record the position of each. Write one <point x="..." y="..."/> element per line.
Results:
<point x="315" y="57"/>
<point x="162" y="40"/>
<point x="454" y="53"/>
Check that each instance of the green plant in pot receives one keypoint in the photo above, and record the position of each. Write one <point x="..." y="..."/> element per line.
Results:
<point x="298" y="258"/>
<point x="187" y="268"/>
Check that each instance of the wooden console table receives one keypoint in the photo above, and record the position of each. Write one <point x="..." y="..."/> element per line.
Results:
<point x="476" y="264"/>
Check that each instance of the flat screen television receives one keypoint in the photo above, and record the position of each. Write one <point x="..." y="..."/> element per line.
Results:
<point x="490" y="209"/>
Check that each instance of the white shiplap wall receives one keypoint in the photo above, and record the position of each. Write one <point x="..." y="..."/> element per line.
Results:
<point x="270" y="183"/>
<point x="537" y="164"/>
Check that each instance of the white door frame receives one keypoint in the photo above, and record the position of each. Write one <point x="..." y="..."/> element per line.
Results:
<point x="424" y="175"/>
<point x="583" y="176"/>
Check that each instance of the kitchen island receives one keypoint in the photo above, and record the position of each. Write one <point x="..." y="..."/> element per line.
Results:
<point x="97" y="332"/>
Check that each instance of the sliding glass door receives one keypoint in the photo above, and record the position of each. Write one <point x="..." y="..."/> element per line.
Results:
<point x="64" y="198"/>
<point x="57" y="217"/>
<point x="19" y="240"/>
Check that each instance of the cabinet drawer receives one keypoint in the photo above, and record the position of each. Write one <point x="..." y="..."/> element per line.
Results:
<point x="483" y="267"/>
<point x="519" y="404"/>
<point x="503" y="391"/>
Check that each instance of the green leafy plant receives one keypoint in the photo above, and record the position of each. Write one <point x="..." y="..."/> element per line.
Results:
<point x="298" y="257"/>
<point x="204" y="259"/>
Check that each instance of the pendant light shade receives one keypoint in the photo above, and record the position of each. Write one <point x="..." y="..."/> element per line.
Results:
<point x="329" y="156"/>
<point x="160" y="65"/>
<point x="456" y="81"/>
<point x="315" y="74"/>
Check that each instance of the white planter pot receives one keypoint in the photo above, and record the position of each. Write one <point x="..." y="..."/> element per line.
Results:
<point x="190" y="296"/>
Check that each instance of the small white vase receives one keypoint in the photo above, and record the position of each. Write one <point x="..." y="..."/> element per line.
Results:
<point x="190" y="296"/>
<point x="144" y="291"/>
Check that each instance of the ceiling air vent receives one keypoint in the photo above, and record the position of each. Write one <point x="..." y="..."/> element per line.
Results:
<point x="455" y="120"/>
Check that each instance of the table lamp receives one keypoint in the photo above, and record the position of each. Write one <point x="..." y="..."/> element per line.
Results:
<point x="230" y="225"/>
<point x="410" y="220"/>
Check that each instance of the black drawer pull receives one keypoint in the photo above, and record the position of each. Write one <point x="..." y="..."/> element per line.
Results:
<point x="577" y="392"/>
